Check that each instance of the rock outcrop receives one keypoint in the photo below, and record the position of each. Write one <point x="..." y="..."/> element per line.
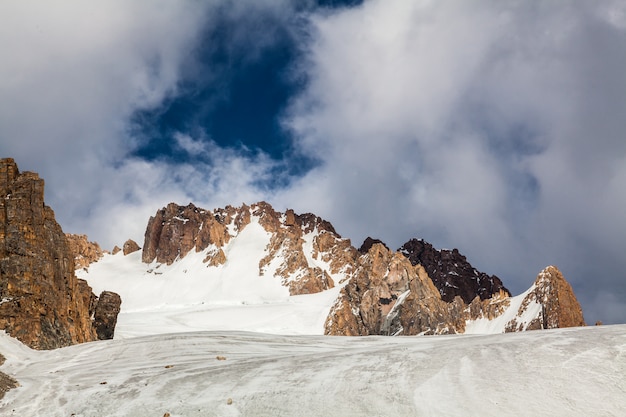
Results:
<point x="552" y="296"/>
<point x="451" y="273"/>
<point x="42" y="303"/>
<point x="293" y="237"/>
<point x="175" y="230"/>
<point x="85" y="252"/>
<point x="303" y="251"/>
<point x="130" y="246"/>
<point x="105" y="314"/>
<point x="388" y="295"/>
<point x="416" y="290"/>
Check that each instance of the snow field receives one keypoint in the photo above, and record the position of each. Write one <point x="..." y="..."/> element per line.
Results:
<point x="564" y="372"/>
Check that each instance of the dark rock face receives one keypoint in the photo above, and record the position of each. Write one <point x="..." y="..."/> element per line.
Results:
<point x="42" y="303"/>
<point x="105" y="315"/>
<point x="451" y="273"/>
<point x="368" y="243"/>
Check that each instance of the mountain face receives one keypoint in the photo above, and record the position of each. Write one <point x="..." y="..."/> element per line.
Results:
<point x="303" y="251"/>
<point x="451" y="273"/>
<point x="254" y="249"/>
<point x="42" y="303"/>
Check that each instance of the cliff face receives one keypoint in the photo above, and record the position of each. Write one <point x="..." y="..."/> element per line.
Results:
<point x="42" y="303"/>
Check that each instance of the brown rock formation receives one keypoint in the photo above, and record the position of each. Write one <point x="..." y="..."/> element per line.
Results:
<point x="452" y="274"/>
<point x="295" y="235"/>
<point x="85" y="252"/>
<point x="130" y="246"/>
<point x="558" y="304"/>
<point x="176" y="230"/>
<point x="105" y="315"/>
<point x="387" y="295"/>
<point x="42" y="303"/>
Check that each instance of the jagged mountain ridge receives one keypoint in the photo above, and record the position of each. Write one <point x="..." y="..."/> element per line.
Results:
<point x="231" y="251"/>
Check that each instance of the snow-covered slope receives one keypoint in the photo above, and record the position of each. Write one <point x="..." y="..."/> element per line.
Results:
<point x="191" y="295"/>
<point x="564" y="372"/>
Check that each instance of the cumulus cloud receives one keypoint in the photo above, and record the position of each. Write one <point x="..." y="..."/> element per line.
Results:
<point x="72" y="77"/>
<point x="497" y="128"/>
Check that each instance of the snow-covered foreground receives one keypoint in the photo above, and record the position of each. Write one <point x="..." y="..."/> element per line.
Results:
<point x="563" y="372"/>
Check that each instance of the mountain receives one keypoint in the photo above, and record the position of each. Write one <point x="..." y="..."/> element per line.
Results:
<point x="42" y="303"/>
<point x="293" y="273"/>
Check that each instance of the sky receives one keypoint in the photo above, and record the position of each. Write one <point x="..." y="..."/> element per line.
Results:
<point x="496" y="127"/>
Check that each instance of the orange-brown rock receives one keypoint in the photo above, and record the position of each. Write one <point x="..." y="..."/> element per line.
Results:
<point x="558" y="304"/>
<point x="85" y="252"/>
<point x="388" y="295"/>
<point x="42" y="303"/>
<point x="130" y="246"/>
<point x="296" y="236"/>
<point x="176" y="230"/>
<point x="6" y="382"/>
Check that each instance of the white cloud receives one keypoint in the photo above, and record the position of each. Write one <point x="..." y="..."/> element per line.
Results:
<point x="72" y="75"/>
<point x="493" y="127"/>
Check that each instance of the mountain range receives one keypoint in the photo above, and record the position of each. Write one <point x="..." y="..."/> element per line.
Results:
<point x="253" y="256"/>
<point x="231" y="270"/>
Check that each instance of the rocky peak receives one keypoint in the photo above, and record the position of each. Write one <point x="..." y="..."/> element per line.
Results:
<point x="368" y="243"/>
<point x="85" y="252"/>
<point x="388" y="295"/>
<point x="176" y="230"/>
<point x="451" y="273"/>
<point x="552" y="296"/>
<point x="42" y="303"/>
<point x="130" y="246"/>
